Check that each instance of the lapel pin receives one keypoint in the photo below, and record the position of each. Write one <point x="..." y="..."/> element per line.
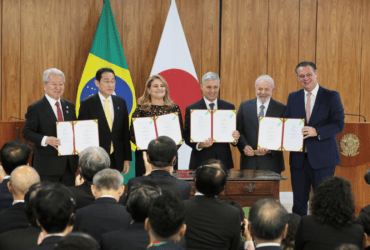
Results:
<point x="117" y="107"/>
<point x="67" y="111"/>
<point x="66" y="106"/>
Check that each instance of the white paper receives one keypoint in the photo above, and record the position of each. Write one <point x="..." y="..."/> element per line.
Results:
<point x="65" y="134"/>
<point x="144" y="130"/>
<point x="200" y="125"/>
<point x="169" y="125"/>
<point x="86" y="134"/>
<point x="270" y="133"/>
<point x="224" y="124"/>
<point x="293" y="137"/>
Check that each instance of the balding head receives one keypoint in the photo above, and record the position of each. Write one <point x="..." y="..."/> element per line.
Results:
<point x="21" y="179"/>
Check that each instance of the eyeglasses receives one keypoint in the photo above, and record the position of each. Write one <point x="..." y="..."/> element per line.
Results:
<point x="107" y="82"/>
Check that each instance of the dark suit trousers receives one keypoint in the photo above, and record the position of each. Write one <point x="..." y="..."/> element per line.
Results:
<point x="302" y="179"/>
<point x="67" y="178"/>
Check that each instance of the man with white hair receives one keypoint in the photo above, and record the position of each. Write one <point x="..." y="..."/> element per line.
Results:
<point x="248" y="124"/>
<point x="40" y="128"/>
<point x="208" y="150"/>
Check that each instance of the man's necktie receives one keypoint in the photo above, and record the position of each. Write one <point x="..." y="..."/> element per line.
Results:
<point x="261" y="113"/>
<point x="308" y="107"/>
<point x="212" y="105"/>
<point x="109" y="120"/>
<point x="59" y="112"/>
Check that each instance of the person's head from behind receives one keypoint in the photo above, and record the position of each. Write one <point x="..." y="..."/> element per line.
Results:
<point x="268" y="221"/>
<point x="108" y="182"/>
<point x="29" y="200"/>
<point x="210" y="180"/>
<point x="364" y="220"/>
<point x="166" y="220"/>
<point x="293" y="222"/>
<point x="92" y="160"/>
<point x="162" y="152"/>
<point x="77" y="241"/>
<point x="55" y="208"/>
<point x="139" y="198"/>
<point x="21" y="179"/>
<point x="333" y="202"/>
<point x="13" y="154"/>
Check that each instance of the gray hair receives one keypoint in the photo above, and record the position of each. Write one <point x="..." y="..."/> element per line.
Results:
<point x="92" y="160"/>
<point x="107" y="179"/>
<point x="210" y="76"/>
<point x="265" y="77"/>
<point x="48" y="72"/>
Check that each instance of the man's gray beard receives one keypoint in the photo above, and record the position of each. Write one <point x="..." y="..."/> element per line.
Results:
<point x="267" y="98"/>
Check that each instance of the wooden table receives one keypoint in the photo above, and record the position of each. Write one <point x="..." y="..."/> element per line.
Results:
<point x="244" y="186"/>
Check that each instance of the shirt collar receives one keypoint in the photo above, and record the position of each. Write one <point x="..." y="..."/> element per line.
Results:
<point x="208" y="102"/>
<point x="314" y="91"/>
<point x="49" y="235"/>
<point x="102" y="98"/>
<point x="266" y="103"/>
<point x="52" y="101"/>
<point x="106" y="196"/>
<point x="6" y="177"/>
<point x="18" y="201"/>
<point x="268" y="244"/>
<point x="200" y="194"/>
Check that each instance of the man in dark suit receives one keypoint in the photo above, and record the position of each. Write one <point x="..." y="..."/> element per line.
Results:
<point x="40" y="128"/>
<point x="210" y="223"/>
<point x="14" y="217"/>
<point x="91" y="160"/>
<point x="162" y="153"/>
<point x="208" y="150"/>
<point x="105" y="214"/>
<point x="112" y="115"/>
<point x="268" y="224"/>
<point x="166" y="222"/>
<point x="134" y="237"/>
<point x="324" y="114"/>
<point x="13" y="154"/>
<point x="248" y="123"/>
<point x="54" y="208"/>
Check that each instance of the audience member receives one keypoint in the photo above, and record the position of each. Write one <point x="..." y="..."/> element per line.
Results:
<point x="134" y="236"/>
<point x="211" y="224"/>
<point x="162" y="154"/>
<point x="14" y="216"/>
<point x="268" y="224"/>
<point x="105" y="214"/>
<point x="13" y="154"/>
<point x="91" y="161"/>
<point x="293" y="221"/>
<point x="25" y="238"/>
<point x="364" y="220"/>
<point x="77" y="241"/>
<point x="54" y="209"/>
<point x="332" y="221"/>
<point x="166" y="222"/>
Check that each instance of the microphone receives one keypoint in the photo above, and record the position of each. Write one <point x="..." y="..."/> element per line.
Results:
<point x="357" y="115"/>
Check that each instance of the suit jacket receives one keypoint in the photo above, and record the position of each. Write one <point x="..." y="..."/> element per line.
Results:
<point x="48" y="243"/>
<point x="92" y="108"/>
<point x="327" y="118"/>
<point x="219" y="151"/>
<point x="102" y="216"/>
<point x="6" y="198"/>
<point x="248" y="125"/>
<point x="166" y="182"/>
<point x="84" y="196"/>
<point x="211" y="224"/>
<point x="40" y="122"/>
<point x="318" y="236"/>
<point x="13" y="217"/>
<point x="20" y="239"/>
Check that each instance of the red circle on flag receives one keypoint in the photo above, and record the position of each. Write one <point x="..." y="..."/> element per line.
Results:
<point x="184" y="88"/>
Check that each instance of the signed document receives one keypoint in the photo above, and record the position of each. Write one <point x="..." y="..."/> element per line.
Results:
<point x="217" y="124"/>
<point x="149" y="128"/>
<point x="75" y="136"/>
<point x="280" y="134"/>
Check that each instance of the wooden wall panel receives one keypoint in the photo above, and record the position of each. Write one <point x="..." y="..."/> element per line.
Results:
<point x="365" y="62"/>
<point x="11" y="63"/>
<point x="338" y="53"/>
<point x="307" y="31"/>
<point x="243" y="51"/>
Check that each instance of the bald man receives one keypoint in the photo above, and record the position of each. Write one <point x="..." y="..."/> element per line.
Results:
<point x="15" y="217"/>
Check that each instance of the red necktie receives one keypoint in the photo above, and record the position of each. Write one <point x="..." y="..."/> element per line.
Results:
<point x="59" y="112"/>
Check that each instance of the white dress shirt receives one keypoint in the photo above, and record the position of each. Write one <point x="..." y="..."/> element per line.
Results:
<point x="266" y="104"/>
<point x="110" y="103"/>
<point x="313" y="97"/>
